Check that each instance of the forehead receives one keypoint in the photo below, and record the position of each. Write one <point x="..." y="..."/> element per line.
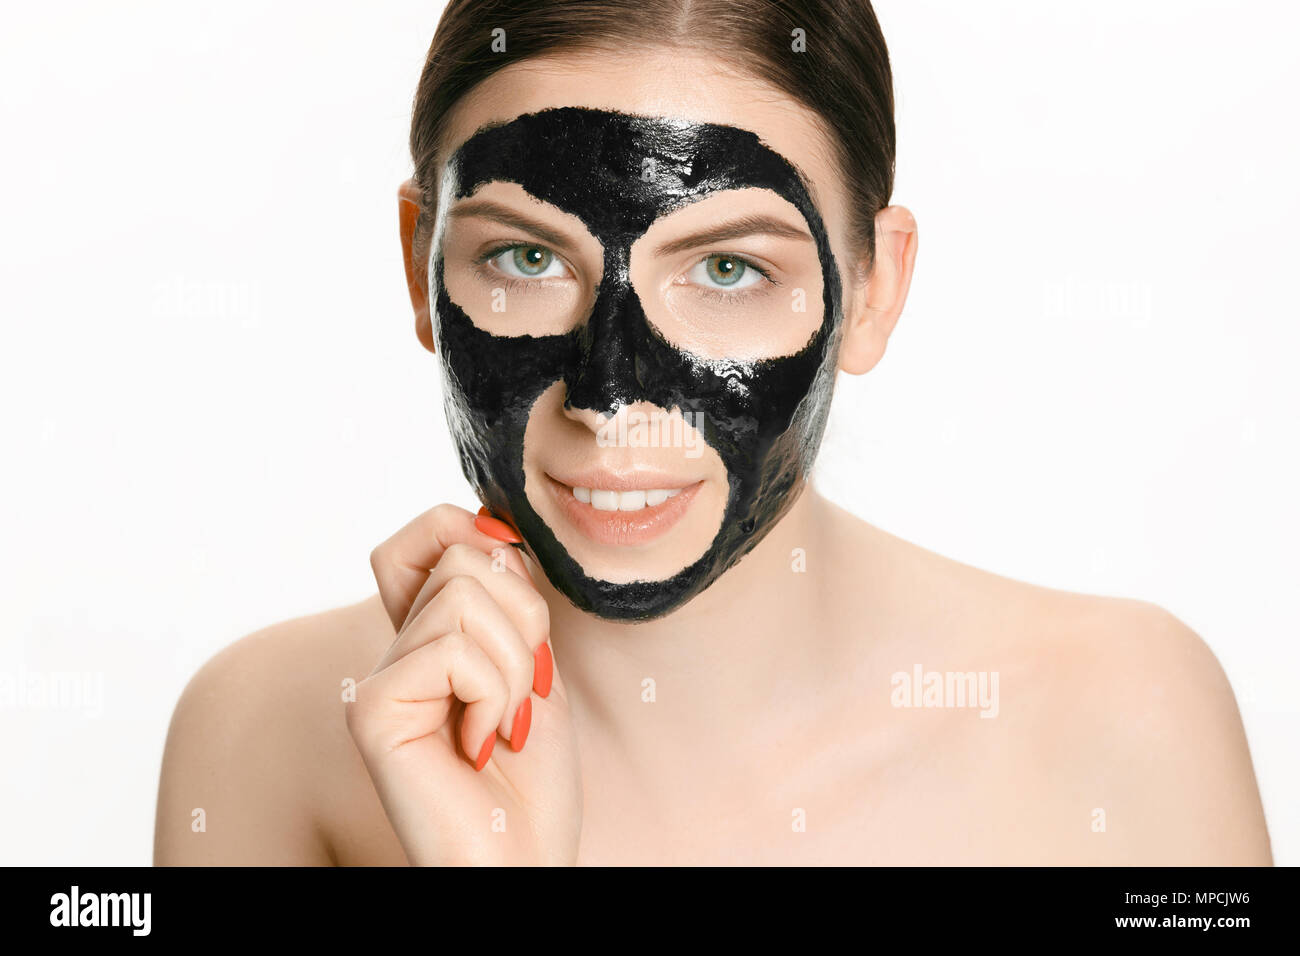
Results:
<point x="676" y="86"/>
<point x="618" y="172"/>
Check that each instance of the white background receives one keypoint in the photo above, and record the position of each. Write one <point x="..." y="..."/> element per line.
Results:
<point x="215" y="404"/>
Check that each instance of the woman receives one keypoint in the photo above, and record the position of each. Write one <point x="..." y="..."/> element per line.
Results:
<point x="642" y="239"/>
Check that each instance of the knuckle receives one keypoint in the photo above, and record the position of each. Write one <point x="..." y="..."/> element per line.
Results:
<point x="458" y="556"/>
<point x="444" y="514"/>
<point x="536" y="614"/>
<point x="460" y="648"/>
<point x="442" y="509"/>
<point x="461" y="588"/>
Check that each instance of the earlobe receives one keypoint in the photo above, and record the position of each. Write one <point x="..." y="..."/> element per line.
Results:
<point x="874" y="306"/>
<point x="409" y="200"/>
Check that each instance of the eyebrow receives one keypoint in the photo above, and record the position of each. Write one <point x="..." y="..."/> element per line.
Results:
<point x="751" y="225"/>
<point x="487" y="209"/>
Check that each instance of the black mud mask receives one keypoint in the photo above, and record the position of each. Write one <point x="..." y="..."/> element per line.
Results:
<point x="763" y="417"/>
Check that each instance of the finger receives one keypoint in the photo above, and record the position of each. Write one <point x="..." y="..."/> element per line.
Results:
<point x="514" y="593"/>
<point x="401" y="564"/>
<point x="464" y="605"/>
<point x="500" y="528"/>
<point x="505" y="531"/>
<point x="413" y="697"/>
<point x="469" y="559"/>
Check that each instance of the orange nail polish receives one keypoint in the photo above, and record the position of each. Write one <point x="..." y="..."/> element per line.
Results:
<point x="486" y="751"/>
<point x="523" y="720"/>
<point x="543" y="670"/>
<point x="495" y="528"/>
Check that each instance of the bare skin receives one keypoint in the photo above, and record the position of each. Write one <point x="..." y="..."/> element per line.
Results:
<point x="772" y="736"/>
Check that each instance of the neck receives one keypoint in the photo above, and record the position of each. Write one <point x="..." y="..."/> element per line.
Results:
<point x="695" y="679"/>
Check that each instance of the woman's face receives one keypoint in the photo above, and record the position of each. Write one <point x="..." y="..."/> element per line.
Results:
<point x="635" y="288"/>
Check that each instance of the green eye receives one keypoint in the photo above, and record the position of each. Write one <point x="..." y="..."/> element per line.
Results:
<point x="532" y="260"/>
<point x="725" y="270"/>
<point x="526" y="260"/>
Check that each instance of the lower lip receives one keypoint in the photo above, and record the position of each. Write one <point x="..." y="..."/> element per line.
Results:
<point x="622" y="527"/>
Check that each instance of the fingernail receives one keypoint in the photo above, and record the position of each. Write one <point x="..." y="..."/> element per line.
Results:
<point x="509" y="524"/>
<point x="495" y="528"/>
<point x="486" y="752"/>
<point x="523" y="720"/>
<point x="543" y="670"/>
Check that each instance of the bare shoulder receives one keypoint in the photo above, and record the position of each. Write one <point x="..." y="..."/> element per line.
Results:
<point x="1116" y="739"/>
<point x="1136" y="709"/>
<point x="256" y="738"/>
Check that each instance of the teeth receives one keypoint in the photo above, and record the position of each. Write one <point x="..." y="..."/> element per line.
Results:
<point x="603" y="500"/>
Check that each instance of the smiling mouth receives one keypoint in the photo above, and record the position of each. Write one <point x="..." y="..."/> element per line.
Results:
<point x="610" y="500"/>
<point x="622" y="516"/>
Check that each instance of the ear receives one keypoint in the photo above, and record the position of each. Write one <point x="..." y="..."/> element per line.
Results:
<point x="417" y="278"/>
<point x="876" y="301"/>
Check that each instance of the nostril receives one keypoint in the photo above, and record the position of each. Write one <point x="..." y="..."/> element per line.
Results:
<point x="597" y="387"/>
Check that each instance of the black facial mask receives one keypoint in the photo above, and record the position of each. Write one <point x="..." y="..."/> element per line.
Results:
<point x="763" y="417"/>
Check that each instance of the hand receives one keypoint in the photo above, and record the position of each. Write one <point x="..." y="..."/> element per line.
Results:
<point x="471" y="660"/>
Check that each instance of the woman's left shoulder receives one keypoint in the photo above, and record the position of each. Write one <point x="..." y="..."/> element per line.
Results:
<point x="1135" y="660"/>
<point x="1114" y="734"/>
<point x="1138" y="712"/>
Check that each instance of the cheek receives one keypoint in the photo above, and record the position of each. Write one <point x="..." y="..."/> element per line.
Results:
<point x="764" y="320"/>
<point x="489" y="383"/>
<point x="504" y="308"/>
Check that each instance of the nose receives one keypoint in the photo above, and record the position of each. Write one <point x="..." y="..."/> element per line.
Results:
<point x="638" y="425"/>
<point x="609" y="373"/>
<point x="590" y="419"/>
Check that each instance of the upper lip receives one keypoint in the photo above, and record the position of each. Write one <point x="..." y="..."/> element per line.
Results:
<point x="632" y="480"/>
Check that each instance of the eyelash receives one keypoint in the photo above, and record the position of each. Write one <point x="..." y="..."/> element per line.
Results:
<point x="514" y="284"/>
<point x="720" y="295"/>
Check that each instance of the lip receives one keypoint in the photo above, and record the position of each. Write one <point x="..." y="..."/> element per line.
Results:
<point x="636" y="480"/>
<point x="622" y="528"/>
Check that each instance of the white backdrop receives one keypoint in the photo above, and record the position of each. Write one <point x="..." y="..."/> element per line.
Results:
<point x="215" y="404"/>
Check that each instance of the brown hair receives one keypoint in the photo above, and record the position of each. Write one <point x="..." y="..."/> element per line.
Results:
<point x="842" y="74"/>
